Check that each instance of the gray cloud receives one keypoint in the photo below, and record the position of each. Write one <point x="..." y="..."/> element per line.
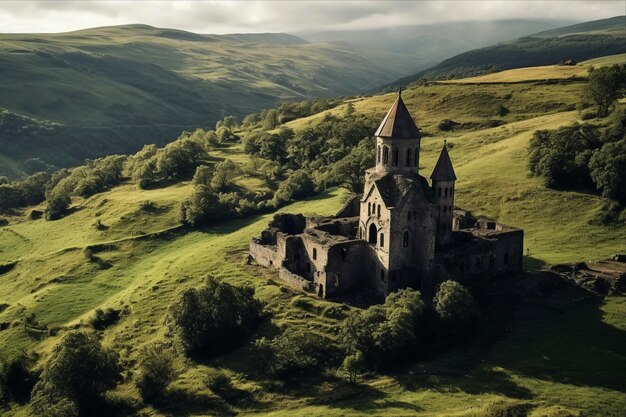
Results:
<point x="283" y="16"/>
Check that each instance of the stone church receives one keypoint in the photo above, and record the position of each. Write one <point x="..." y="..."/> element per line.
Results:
<point x="401" y="232"/>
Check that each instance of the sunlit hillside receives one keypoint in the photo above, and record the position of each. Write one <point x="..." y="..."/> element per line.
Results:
<point x="56" y="273"/>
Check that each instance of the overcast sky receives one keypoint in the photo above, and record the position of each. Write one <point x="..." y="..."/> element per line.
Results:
<point x="283" y="16"/>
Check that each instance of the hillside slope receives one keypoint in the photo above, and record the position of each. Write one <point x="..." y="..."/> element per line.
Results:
<point x="578" y="42"/>
<point x="111" y="89"/>
<point x="564" y="361"/>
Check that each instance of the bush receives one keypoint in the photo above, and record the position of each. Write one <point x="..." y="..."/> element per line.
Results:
<point x="211" y="319"/>
<point x="508" y="409"/>
<point x="16" y="379"/>
<point x="299" y="184"/>
<point x="156" y="371"/>
<point x="383" y="333"/>
<point x="75" y="378"/>
<point x="455" y="307"/>
<point x="4" y="221"/>
<point x="105" y="318"/>
<point x="202" y="207"/>
<point x="296" y="352"/>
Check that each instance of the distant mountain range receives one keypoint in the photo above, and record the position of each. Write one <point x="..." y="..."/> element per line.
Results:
<point x="578" y="42"/>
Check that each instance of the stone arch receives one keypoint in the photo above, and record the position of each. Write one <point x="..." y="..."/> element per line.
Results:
<point x="373" y="234"/>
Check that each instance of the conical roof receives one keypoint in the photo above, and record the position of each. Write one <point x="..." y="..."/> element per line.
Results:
<point x="398" y="123"/>
<point x="443" y="169"/>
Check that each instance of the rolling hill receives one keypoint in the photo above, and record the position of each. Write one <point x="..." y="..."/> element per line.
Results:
<point x="70" y="96"/>
<point x="559" y="357"/>
<point x="578" y="42"/>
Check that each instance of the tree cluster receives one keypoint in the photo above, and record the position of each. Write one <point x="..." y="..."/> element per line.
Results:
<point x="76" y="377"/>
<point x="271" y="118"/>
<point x="214" y="317"/>
<point x="583" y="157"/>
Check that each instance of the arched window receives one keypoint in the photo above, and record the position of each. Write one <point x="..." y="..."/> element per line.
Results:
<point x="379" y="211"/>
<point x="378" y="154"/>
<point x="395" y="157"/>
<point x="408" y="157"/>
<point x="382" y="240"/>
<point x="369" y="209"/>
<point x="372" y="233"/>
<point x="314" y="253"/>
<point x="439" y="191"/>
<point x="506" y="258"/>
<point x="385" y="155"/>
<point x="405" y="239"/>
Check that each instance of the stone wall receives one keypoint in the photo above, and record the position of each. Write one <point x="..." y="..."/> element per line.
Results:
<point x="295" y="280"/>
<point x="264" y="255"/>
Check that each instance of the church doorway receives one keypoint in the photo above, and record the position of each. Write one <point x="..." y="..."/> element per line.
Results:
<point x="372" y="234"/>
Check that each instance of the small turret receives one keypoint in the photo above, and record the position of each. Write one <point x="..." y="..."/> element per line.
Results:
<point x="443" y="179"/>
<point x="397" y="141"/>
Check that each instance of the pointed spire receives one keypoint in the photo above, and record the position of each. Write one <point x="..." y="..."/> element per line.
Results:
<point x="443" y="169"/>
<point x="398" y="122"/>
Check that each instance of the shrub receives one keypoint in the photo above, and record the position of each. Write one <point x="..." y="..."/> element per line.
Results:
<point x="296" y="352"/>
<point x="508" y="409"/>
<point x="455" y="307"/>
<point x="212" y="318"/>
<point x="353" y="366"/>
<point x="4" y="221"/>
<point x="384" y="332"/>
<point x="16" y="378"/>
<point x="202" y="207"/>
<point x="105" y="318"/>
<point x="224" y="174"/>
<point x="299" y="184"/>
<point x="156" y="371"/>
<point x="77" y="375"/>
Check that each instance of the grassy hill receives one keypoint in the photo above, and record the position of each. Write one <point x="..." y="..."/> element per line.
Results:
<point x="565" y="359"/>
<point x="112" y="89"/>
<point x="543" y="73"/>
<point x="579" y="42"/>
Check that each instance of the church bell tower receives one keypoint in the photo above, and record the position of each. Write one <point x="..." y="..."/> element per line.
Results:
<point x="397" y="141"/>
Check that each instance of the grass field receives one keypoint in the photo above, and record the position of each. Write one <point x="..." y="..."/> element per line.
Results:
<point x="549" y="72"/>
<point x="558" y="359"/>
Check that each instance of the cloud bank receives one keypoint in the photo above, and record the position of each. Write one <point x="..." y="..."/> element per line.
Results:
<point x="284" y="16"/>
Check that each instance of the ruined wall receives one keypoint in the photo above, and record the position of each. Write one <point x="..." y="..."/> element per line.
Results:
<point x="264" y="255"/>
<point x="499" y="253"/>
<point x="295" y="280"/>
<point x="347" y="268"/>
<point x="351" y="208"/>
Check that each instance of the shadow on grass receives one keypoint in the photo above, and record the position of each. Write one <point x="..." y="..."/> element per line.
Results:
<point x="181" y="403"/>
<point x="572" y="346"/>
<point x="533" y="264"/>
